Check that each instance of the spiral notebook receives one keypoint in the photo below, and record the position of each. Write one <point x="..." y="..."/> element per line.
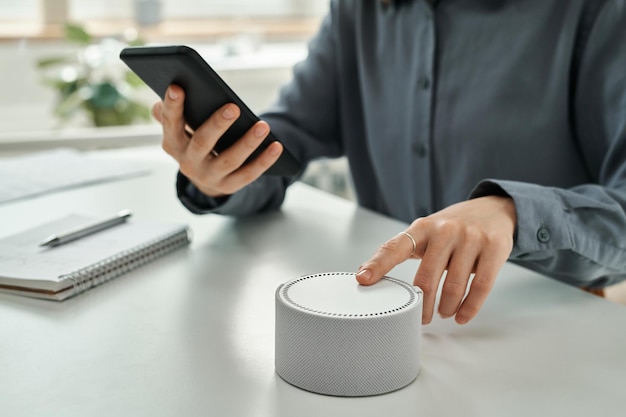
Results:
<point x="67" y="270"/>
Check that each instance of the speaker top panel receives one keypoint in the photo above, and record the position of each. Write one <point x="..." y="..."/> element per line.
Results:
<point x="338" y="294"/>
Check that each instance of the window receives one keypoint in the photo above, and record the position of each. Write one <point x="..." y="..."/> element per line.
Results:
<point x="12" y="10"/>
<point x="205" y="19"/>
<point x="186" y="9"/>
<point x="41" y="11"/>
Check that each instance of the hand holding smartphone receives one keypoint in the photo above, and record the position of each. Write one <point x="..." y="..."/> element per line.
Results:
<point x="205" y="92"/>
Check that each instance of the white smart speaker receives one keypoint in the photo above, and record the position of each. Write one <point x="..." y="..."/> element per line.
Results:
<point x="336" y="337"/>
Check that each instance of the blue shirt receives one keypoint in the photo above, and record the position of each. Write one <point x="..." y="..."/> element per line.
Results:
<point x="436" y="104"/>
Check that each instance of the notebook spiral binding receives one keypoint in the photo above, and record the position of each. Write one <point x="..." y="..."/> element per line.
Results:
<point x="114" y="266"/>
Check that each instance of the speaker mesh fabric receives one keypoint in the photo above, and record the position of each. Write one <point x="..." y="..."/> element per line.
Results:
<point x="347" y="354"/>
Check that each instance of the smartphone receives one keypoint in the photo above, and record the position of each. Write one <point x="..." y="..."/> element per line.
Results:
<point x="205" y="92"/>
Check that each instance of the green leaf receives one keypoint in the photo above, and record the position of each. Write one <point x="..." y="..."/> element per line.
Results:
<point x="136" y="42"/>
<point x="68" y="106"/>
<point x="76" y="33"/>
<point x="104" y="95"/>
<point x="50" y="82"/>
<point x="133" y="80"/>
<point x="106" y="117"/>
<point x="139" y="111"/>
<point x="67" y="88"/>
<point x="52" y="61"/>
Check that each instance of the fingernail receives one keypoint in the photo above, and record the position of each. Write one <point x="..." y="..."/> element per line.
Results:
<point x="365" y="275"/>
<point x="172" y="94"/>
<point x="260" y="130"/>
<point x="461" y="319"/>
<point x="228" y="113"/>
<point x="274" y="150"/>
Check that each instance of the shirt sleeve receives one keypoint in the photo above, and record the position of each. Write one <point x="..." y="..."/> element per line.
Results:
<point x="244" y="202"/>
<point x="578" y="235"/>
<point x="304" y="118"/>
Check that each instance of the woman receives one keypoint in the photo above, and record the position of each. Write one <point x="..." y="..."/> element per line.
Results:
<point x="497" y="129"/>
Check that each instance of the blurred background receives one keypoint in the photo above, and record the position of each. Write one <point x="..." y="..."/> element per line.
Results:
<point x="63" y="83"/>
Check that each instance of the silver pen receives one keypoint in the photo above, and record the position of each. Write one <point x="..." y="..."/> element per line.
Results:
<point x="89" y="229"/>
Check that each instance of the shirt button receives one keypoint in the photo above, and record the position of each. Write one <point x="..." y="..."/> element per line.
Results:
<point x="543" y="235"/>
<point x="424" y="83"/>
<point x="420" y="149"/>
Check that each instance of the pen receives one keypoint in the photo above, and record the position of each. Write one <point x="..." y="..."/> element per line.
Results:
<point x="89" y="229"/>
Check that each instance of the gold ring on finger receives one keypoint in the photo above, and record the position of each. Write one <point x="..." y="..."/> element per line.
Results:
<point x="412" y="241"/>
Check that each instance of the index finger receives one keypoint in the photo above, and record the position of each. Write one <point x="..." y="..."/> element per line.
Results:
<point x="391" y="253"/>
<point x="175" y="140"/>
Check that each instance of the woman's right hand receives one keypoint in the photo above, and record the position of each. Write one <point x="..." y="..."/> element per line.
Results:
<point x="214" y="175"/>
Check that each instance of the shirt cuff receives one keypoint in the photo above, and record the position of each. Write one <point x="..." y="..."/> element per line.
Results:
<point x="194" y="200"/>
<point x="541" y="216"/>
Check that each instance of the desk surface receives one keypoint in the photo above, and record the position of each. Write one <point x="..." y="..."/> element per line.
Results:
<point x="193" y="333"/>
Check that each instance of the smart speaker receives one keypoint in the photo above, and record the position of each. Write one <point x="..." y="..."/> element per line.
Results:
<point x="336" y="337"/>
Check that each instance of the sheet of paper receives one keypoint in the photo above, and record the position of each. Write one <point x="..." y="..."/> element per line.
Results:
<point x="58" y="169"/>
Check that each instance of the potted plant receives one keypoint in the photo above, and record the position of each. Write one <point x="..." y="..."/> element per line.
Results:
<point x="93" y="80"/>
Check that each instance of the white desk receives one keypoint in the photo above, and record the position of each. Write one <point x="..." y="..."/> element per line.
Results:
<point x="193" y="333"/>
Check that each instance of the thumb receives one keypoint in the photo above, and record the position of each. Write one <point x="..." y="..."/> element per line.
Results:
<point x="391" y="253"/>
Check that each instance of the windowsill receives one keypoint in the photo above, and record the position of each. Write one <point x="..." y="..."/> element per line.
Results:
<point x="85" y="138"/>
<point x="293" y="28"/>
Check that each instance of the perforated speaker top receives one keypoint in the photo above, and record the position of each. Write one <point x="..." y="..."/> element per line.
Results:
<point x="336" y="337"/>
